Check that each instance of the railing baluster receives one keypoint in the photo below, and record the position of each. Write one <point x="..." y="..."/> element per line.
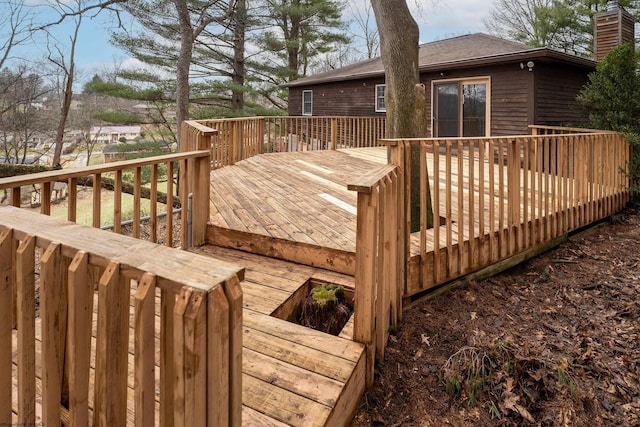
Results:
<point x="144" y="350"/>
<point x="97" y="199"/>
<point x="25" y="276"/>
<point x="153" y="204"/>
<point x="436" y="210"/>
<point x="45" y="198"/>
<point x="137" y="188"/>
<point x="53" y="307"/>
<point x="6" y="324"/>
<point x="460" y="231"/>
<point x="111" y="351"/>
<point x="117" y="202"/>
<point x="72" y="197"/>
<point x="169" y="206"/>
<point x="449" y="207"/>
<point x="80" y="321"/>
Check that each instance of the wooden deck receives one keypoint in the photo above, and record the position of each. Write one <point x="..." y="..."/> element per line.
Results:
<point x="300" y="200"/>
<point x="292" y="375"/>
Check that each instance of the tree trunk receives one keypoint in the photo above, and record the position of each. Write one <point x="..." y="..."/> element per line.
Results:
<point x="69" y="74"/>
<point x="240" y="18"/>
<point x="183" y="65"/>
<point x="405" y="99"/>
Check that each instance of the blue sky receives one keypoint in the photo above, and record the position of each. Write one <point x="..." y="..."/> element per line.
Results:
<point x="438" y="19"/>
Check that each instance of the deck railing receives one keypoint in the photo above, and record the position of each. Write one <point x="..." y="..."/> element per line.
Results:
<point x="192" y="168"/>
<point x="497" y="197"/>
<point x="238" y="139"/>
<point x="562" y="130"/>
<point x="183" y="364"/>
<point x="380" y="261"/>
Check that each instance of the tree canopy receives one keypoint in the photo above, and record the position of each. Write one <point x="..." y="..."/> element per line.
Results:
<point x="565" y="25"/>
<point x="611" y="101"/>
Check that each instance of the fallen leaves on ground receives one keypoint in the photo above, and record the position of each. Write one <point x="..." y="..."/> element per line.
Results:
<point x="552" y="342"/>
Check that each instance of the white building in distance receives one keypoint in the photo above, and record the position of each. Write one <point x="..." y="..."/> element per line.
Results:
<point x="113" y="134"/>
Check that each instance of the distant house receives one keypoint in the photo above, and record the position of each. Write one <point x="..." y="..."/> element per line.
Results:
<point x="476" y="85"/>
<point x="112" y="134"/>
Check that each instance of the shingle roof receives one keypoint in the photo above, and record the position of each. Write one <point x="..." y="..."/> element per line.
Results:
<point x="471" y="49"/>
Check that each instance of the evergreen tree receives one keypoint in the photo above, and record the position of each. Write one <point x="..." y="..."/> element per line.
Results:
<point x="611" y="101"/>
<point x="299" y="32"/>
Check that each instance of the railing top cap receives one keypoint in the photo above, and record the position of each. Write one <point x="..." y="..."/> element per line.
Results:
<point x="171" y="266"/>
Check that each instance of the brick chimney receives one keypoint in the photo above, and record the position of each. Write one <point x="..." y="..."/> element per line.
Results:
<point x="612" y="28"/>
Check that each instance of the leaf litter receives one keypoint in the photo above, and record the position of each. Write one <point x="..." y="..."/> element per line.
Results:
<point x="554" y="341"/>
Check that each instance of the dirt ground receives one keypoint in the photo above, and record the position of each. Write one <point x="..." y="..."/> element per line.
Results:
<point x="552" y="342"/>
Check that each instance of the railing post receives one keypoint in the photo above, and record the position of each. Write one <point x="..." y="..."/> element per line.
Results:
<point x="396" y="156"/>
<point x="200" y="191"/>
<point x="7" y="300"/>
<point x="513" y="196"/>
<point x="236" y="142"/>
<point x="260" y="134"/>
<point x="334" y="133"/>
<point x="365" y="291"/>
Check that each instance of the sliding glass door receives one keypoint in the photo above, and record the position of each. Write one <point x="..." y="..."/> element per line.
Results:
<point x="460" y="108"/>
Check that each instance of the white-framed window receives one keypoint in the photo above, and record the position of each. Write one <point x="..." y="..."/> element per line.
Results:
<point x="380" y="107"/>
<point x="307" y="102"/>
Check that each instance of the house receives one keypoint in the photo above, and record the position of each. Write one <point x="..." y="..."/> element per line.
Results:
<point x="113" y="134"/>
<point x="476" y="85"/>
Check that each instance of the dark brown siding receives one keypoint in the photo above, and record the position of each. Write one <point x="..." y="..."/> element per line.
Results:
<point x="515" y="103"/>
<point x="350" y="98"/>
<point x="509" y="101"/>
<point x="556" y="91"/>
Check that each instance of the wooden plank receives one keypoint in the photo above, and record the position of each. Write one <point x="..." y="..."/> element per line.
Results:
<point x="153" y="205"/>
<point x="111" y="348"/>
<point x="117" y="202"/>
<point x="195" y="352"/>
<point x="25" y="276"/>
<point x="45" y="198"/>
<point x="51" y="300"/>
<point x="144" y="371"/>
<point x="350" y="397"/>
<point x="179" y="390"/>
<point x="233" y="292"/>
<point x="297" y="380"/>
<point x="183" y="183"/>
<point x="6" y="323"/>
<point x="251" y="417"/>
<point x="72" y="197"/>
<point x="80" y="310"/>
<point x="282" y="405"/>
<point x="167" y="362"/>
<point x="97" y="200"/>
<point x="364" y="301"/>
<point x="169" y="207"/>
<point x="218" y="372"/>
<point x="137" y="187"/>
<point x="297" y="354"/>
